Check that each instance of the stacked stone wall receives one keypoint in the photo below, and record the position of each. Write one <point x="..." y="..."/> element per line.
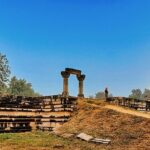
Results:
<point x="20" y="114"/>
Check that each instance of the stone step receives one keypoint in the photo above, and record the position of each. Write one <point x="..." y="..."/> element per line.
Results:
<point x="15" y="130"/>
<point x="34" y="114"/>
<point x="45" y="128"/>
<point x="29" y="118"/>
<point x="59" y="108"/>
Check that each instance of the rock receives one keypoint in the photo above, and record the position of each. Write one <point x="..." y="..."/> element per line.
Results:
<point x="89" y="138"/>
<point x="85" y="137"/>
<point x="103" y="141"/>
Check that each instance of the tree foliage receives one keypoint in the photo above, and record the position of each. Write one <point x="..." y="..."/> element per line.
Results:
<point x="146" y="94"/>
<point x="4" y="69"/>
<point x="136" y="93"/>
<point x="4" y="72"/>
<point x="101" y="95"/>
<point x="14" y="86"/>
<point x="21" y="87"/>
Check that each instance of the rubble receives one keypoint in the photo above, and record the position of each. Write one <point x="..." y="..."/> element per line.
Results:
<point x="90" y="138"/>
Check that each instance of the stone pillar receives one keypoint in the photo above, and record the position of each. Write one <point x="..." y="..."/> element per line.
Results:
<point x="65" y="75"/>
<point x="81" y="79"/>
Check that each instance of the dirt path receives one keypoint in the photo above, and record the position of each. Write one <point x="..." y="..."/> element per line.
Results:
<point x="128" y="111"/>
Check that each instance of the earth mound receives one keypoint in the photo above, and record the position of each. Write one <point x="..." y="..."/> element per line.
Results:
<point x="126" y="131"/>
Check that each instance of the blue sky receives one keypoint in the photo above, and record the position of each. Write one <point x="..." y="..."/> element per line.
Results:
<point x="109" y="40"/>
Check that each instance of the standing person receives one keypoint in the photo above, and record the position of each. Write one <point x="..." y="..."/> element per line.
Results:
<point x="106" y="93"/>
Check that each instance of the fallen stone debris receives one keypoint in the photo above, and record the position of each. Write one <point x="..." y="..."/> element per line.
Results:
<point x="84" y="137"/>
<point x="90" y="138"/>
<point x="103" y="141"/>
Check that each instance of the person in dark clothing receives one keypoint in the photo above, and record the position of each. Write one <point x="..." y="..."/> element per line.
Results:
<point x="106" y="93"/>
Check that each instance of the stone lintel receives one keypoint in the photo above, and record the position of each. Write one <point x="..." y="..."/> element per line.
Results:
<point x="73" y="71"/>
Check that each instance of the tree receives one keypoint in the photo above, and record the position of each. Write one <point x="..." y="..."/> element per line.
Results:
<point x="21" y="87"/>
<point x="136" y="93"/>
<point x="146" y="94"/>
<point x="100" y="95"/>
<point x="4" y="72"/>
<point x="15" y="86"/>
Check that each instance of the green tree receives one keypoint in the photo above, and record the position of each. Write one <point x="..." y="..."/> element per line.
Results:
<point x="4" y="72"/>
<point x="136" y="93"/>
<point x="21" y="87"/>
<point x="146" y="94"/>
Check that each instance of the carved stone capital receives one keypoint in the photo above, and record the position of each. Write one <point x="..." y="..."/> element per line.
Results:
<point x="65" y="74"/>
<point x="81" y="77"/>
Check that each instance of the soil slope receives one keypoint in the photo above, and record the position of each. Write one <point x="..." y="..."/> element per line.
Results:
<point x="127" y="129"/>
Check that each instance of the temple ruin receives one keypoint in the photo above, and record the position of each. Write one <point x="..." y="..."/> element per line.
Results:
<point x="80" y="77"/>
<point x="20" y="114"/>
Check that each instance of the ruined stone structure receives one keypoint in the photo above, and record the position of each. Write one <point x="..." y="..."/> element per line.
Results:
<point x="80" y="77"/>
<point x="130" y="103"/>
<point x="20" y="114"/>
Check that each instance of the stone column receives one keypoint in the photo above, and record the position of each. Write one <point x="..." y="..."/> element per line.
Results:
<point x="65" y="75"/>
<point x="81" y="79"/>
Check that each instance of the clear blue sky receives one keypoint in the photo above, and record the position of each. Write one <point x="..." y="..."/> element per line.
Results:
<point x="109" y="40"/>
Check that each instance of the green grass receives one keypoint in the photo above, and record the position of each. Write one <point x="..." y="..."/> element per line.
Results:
<point x="41" y="141"/>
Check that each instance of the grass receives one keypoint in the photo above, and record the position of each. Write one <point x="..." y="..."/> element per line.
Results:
<point x="41" y="141"/>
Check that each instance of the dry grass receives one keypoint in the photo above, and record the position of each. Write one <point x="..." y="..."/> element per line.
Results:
<point x="126" y="131"/>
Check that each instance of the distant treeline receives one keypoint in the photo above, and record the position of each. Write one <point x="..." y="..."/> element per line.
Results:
<point x="138" y="94"/>
<point x="135" y="93"/>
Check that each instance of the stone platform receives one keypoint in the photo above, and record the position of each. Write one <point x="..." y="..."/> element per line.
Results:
<point x="20" y="114"/>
